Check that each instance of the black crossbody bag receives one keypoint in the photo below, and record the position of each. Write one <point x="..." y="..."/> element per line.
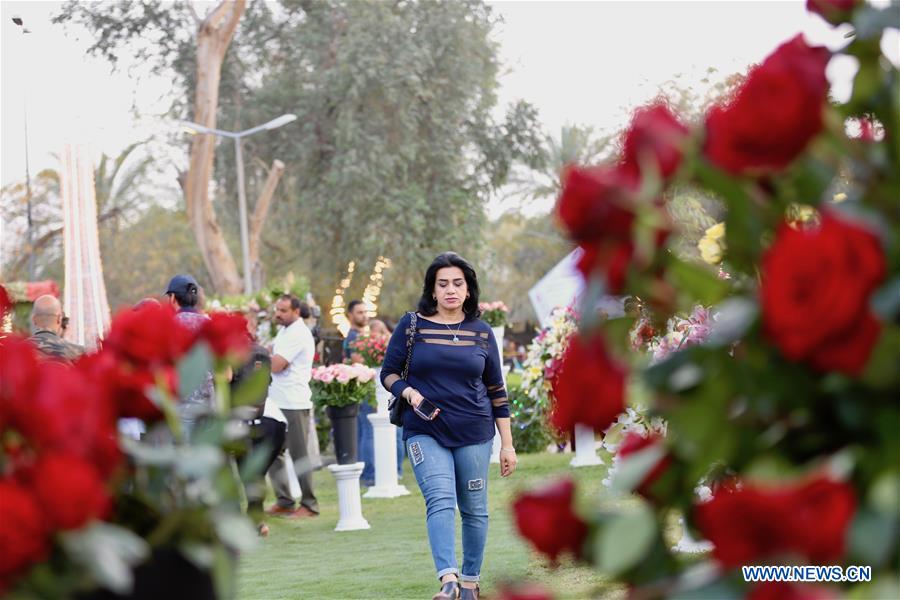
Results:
<point x="397" y="405"/>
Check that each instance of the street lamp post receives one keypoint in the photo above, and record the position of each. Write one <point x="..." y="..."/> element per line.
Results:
<point x="194" y="128"/>
<point x="30" y="222"/>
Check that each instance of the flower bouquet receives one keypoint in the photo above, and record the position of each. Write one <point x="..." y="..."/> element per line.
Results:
<point x="371" y="348"/>
<point x="342" y="385"/>
<point x="495" y="314"/>
<point x="82" y="507"/>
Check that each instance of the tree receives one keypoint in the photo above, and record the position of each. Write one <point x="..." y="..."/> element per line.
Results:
<point x="519" y="251"/>
<point x="395" y="150"/>
<point x="576" y="145"/>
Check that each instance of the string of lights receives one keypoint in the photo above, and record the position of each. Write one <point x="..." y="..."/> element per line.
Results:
<point x="338" y="308"/>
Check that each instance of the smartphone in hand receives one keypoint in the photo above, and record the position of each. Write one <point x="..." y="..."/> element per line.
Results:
<point x="427" y="410"/>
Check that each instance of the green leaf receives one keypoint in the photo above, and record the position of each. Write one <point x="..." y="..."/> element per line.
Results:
<point x="872" y="537"/>
<point x="108" y="552"/>
<point x="256" y="460"/>
<point x="734" y="317"/>
<point x="625" y="539"/>
<point x="193" y="369"/>
<point x="698" y="282"/>
<point x="236" y="531"/>
<point x="199" y="462"/>
<point x="886" y="301"/>
<point x="881" y="370"/>
<point x="144" y="454"/>
<point x="632" y="470"/>
<point x="251" y="389"/>
<point x="870" y="22"/>
<point x="224" y="573"/>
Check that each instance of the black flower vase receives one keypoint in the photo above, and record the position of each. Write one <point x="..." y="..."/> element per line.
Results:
<point x="344" y="427"/>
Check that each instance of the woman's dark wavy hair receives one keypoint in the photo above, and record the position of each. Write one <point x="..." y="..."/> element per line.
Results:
<point x="428" y="305"/>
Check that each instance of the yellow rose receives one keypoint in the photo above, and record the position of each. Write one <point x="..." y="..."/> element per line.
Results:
<point x="712" y="244"/>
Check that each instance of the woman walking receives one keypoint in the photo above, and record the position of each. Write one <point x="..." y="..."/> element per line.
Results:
<point x="455" y="394"/>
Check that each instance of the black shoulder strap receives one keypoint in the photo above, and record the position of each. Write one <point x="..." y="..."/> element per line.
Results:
<point x="410" y="340"/>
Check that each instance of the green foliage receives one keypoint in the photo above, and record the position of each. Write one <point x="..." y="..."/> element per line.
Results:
<point x="518" y="252"/>
<point x="395" y="150"/>
<point x="530" y="434"/>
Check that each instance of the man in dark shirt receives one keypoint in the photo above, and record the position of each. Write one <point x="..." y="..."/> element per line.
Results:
<point x="46" y="322"/>
<point x="365" y="437"/>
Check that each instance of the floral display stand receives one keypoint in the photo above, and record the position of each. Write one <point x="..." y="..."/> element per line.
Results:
<point x="585" y="448"/>
<point x="385" y="433"/>
<point x="349" y="503"/>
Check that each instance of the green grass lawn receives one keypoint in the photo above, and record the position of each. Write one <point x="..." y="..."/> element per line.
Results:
<point x="308" y="559"/>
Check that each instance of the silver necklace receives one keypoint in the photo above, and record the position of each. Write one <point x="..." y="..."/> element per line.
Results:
<point x="455" y="335"/>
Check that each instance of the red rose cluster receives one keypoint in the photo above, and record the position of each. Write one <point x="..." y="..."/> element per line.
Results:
<point x="816" y="288"/>
<point x="598" y="205"/>
<point x="748" y="524"/>
<point x="773" y="115"/>
<point x="58" y="423"/>
<point x="59" y="449"/>
<point x="545" y="518"/>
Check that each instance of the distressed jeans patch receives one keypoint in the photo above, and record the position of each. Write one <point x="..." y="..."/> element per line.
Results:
<point x="476" y="485"/>
<point x="415" y="454"/>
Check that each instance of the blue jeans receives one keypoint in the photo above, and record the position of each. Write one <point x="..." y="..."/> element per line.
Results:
<point x="365" y="441"/>
<point x="449" y="477"/>
<point x="401" y="452"/>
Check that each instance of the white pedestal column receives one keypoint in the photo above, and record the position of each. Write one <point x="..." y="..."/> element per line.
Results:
<point x="349" y="504"/>
<point x="585" y="448"/>
<point x="688" y="545"/>
<point x="499" y="332"/>
<point x="385" y="434"/>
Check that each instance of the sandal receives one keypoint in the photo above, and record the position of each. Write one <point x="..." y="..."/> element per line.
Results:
<point x="470" y="593"/>
<point x="449" y="591"/>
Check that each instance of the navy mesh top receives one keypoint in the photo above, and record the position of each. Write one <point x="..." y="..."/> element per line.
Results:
<point x="463" y="378"/>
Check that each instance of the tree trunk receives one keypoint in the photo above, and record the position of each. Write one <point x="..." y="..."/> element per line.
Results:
<point x="214" y="34"/>
<point x="259" y="218"/>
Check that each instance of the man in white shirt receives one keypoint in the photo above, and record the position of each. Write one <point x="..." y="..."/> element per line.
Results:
<point x="289" y="394"/>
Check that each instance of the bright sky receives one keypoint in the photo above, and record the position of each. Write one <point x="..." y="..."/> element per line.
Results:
<point x="578" y="62"/>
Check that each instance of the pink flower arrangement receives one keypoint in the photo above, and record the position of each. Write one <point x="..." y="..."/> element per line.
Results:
<point x="371" y="348"/>
<point x="495" y="314"/>
<point x="342" y="385"/>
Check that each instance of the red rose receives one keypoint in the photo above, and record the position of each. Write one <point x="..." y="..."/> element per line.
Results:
<point x="226" y="334"/>
<point x="775" y="113"/>
<point x="833" y="11"/>
<point x="126" y="385"/>
<point x="18" y="375"/>
<point x="23" y="531"/>
<point x="149" y="335"/>
<point x="69" y="413"/>
<point x="816" y="285"/>
<point x="655" y="135"/>
<point x="635" y="442"/>
<point x="821" y="511"/>
<point x="611" y="258"/>
<point x="545" y="518"/>
<point x="69" y="490"/>
<point x="782" y="590"/>
<point x="589" y="387"/>
<point x="6" y="302"/>
<point x="596" y="203"/>
<point x="751" y="524"/>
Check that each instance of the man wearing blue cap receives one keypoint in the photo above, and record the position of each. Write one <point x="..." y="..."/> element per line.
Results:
<point x="183" y="292"/>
